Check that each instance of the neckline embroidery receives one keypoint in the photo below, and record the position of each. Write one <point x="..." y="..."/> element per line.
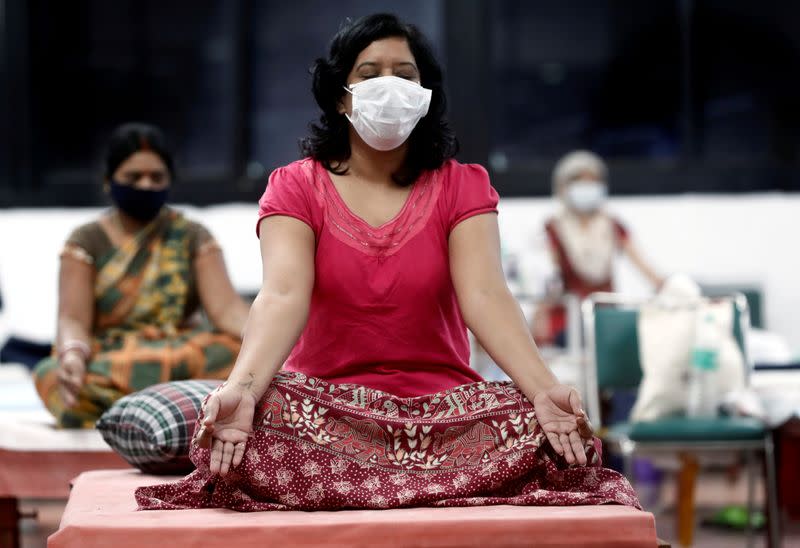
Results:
<point x="388" y="238"/>
<point x="327" y="180"/>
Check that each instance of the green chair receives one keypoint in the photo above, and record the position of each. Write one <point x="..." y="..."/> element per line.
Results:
<point x="752" y="292"/>
<point x="612" y="348"/>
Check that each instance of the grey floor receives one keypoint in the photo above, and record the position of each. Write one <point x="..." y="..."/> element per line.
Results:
<point x="715" y="489"/>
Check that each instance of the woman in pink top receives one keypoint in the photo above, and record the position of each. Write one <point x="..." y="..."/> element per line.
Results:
<point x="353" y="386"/>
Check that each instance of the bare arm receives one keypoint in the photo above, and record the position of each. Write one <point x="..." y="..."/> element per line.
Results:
<point x="636" y="258"/>
<point x="488" y="307"/>
<point x="280" y="311"/>
<point x="494" y="316"/>
<point x="75" y="317"/>
<point x="225" y="308"/>
<point x="277" y="318"/>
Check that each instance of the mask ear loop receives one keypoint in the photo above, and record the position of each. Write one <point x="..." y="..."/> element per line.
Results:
<point x="350" y="91"/>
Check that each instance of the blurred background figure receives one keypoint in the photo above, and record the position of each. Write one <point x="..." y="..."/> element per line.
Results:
<point x="130" y="285"/>
<point x="583" y="240"/>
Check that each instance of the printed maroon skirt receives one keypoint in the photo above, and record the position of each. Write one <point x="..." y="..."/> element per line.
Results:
<point x="322" y="446"/>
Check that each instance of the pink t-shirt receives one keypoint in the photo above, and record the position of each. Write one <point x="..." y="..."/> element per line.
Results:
<point x="383" y="310"/>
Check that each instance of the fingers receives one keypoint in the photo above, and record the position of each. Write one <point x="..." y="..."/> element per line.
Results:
<point x="211" y="409"/>
<point x="216" y="457"/>
<point x="69" y="384"/>
<point x="227" y="457"/>
<point x="575" y="402"/>
<point x="224" y="454"/>
<point x="552" y="437"/>
<point x="210" y="412"/>
<point x="565" y="443"/>
<point x="227" y="443"/>
<point x="68" y="378"/>
<point x="577" y="447"/>
<point x="585" y="428"/>
<point x="204" y="435"/>
<point x="238" y="453"/>
<point x="67" y="396"/>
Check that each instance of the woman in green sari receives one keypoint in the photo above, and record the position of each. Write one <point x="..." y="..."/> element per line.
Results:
<point x="130" y="286"/>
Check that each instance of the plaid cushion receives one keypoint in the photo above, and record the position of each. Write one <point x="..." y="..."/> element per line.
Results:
<point x="152" y="428"/>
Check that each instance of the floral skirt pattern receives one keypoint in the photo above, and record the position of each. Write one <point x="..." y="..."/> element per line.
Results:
<point x="322" y="446"/>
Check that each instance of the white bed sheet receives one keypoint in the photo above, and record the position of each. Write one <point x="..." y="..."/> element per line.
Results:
<point x="25" y="424"/>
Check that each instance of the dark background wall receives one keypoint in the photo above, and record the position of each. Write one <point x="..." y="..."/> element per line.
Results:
<point x="680" y="95"/>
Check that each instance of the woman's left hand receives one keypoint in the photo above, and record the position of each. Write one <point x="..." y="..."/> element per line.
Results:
<point x="561" y="416"/>
<point x="71" y="374"/>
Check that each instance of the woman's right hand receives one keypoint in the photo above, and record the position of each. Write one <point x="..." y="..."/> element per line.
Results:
<point x="71" y="373"/>
<point x="227" y="423"/>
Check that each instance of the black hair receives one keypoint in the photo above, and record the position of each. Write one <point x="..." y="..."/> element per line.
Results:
<point x="432" y="141"/>
<point x="133" y="137"/>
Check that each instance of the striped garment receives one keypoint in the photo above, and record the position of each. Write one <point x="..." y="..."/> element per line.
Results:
<point x="152" y="428"/>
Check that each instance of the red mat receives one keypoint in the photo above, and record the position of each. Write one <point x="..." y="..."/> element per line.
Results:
<point x="102" y="512"/>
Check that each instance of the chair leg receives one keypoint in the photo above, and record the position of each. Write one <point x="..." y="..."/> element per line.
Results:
<point x="627" y="448"/>
<point x="751" y="476"/>
<point x="627" y="467"/>
<point x="687" y="478"/>
<point x="773" y="512"/>
<point x="9" y="522"/>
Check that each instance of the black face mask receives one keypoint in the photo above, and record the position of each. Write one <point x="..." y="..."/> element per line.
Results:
<point x="142" y="205"/>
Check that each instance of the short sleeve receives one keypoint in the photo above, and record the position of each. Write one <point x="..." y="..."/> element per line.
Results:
<point x="200" y="240"/>
<point x="287" y="193"/>
<point x="86" y="243"/>
<point x="469" y="192"/>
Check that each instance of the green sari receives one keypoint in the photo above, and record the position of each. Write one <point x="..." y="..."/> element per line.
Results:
<point x="139" y="335"/>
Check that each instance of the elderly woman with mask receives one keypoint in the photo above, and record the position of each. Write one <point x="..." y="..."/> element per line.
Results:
<point x="583" y="239"/>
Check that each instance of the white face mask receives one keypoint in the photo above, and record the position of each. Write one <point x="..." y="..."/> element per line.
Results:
<point x="586" y="196"/>
<point x="386" y="110"/>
